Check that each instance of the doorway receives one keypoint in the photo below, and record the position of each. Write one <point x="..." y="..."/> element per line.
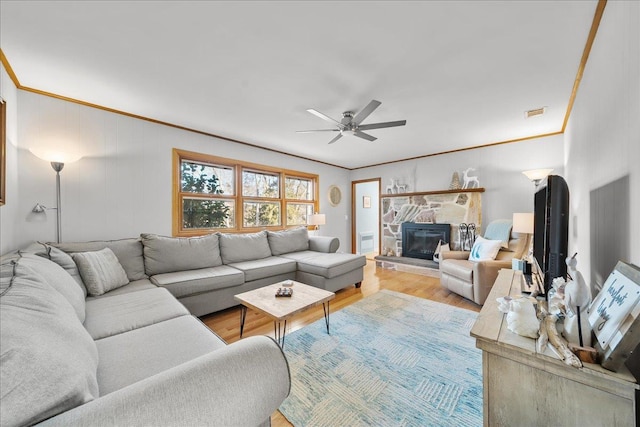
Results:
<point x="365" y="214"/>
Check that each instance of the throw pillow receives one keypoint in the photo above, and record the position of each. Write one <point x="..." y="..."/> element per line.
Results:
<point x="484" y="249"/>
<point x="59" y="279"/>
<point x="49" y="361"/>
<point x="58" y="256"/>
<point x="285" y="241"/>
<point x="100" y="270"/>
<point x="128" y="251"/>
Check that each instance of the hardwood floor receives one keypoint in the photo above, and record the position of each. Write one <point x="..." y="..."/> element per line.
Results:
<point x="226" y="323"/>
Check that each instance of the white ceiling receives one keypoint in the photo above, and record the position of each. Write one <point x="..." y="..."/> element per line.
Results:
<point x="461" y="73"/>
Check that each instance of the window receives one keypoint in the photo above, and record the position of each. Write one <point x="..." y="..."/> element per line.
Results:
<point x="299" y="193"/>
<point x="215" y="193"/>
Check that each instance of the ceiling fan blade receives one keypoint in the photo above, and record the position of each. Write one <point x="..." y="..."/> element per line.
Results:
<point x="364" y="113"/>
<point x="382" y="125"/>
<point x="338" y="136"/>
<point x="364" y="136"/>
<point x="324" y="117"/>
<point x="318" y="130"/>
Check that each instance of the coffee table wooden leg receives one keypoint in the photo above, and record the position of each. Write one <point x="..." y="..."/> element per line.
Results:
<point x="243" y="315"/>
<point x="325" y="307"/>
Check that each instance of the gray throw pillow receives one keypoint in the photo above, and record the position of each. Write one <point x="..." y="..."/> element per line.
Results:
<point x="244" y="247"/>
<point x="128" y="251"/>
<point x="286" y="241"/>
<point x="100" y="270"/>
<point x="58" y="256"/>
<point x="58" y="279"/>
<point x="49" y="361"/>
<point x="168" y="254"/>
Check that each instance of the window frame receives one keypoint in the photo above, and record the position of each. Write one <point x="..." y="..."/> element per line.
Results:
<point x="238" y="166"/>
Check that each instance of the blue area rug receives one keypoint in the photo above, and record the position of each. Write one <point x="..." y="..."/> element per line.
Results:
<point x="391" y="360"/>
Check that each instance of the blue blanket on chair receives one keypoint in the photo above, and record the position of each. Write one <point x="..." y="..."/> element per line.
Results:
<point x="499" y="229"/>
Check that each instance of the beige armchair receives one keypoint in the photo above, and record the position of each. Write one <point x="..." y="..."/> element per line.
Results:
<point x="473" y="280"/>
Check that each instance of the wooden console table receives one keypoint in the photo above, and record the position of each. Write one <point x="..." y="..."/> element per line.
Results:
<point x="526" y="388"/>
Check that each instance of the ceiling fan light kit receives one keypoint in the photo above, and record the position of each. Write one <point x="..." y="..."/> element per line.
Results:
<point x="352" y="124"/>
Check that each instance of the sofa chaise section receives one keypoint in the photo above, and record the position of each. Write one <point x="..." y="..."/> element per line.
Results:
<point x="317" y="263"/>
<point x="331" y="271"/>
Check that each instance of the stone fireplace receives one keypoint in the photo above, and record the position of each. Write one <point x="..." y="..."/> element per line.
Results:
<point x="451" y="207"/>
<point x="420" y="240"/>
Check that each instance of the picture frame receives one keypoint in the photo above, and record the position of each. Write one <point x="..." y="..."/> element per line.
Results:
<point x="614" y="315"/>
<point x="366" y="202"/>
<point x="334" y="195"/>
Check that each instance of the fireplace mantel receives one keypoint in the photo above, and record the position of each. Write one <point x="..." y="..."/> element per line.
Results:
<point x="429" y="193"/>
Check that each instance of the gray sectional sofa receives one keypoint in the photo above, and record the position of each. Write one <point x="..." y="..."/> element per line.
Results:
<point x="105" y="333"/>
<point x="204" y="273"/>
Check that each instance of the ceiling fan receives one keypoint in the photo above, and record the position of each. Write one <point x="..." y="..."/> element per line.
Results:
<point x="352" y="124"/>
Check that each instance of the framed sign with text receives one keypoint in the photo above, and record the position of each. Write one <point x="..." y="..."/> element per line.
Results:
<point x="614" y="315"/>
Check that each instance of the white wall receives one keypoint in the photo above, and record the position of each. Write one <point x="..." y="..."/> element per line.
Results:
<point x="10" y="210"/>
<point x="602" y="140"/>
<point x="122" y="185"/>
<point x="499" y="170"/>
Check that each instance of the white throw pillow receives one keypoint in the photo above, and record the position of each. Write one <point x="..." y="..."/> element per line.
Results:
<point x="484" y="249"/>
<point x="100" y="270"/>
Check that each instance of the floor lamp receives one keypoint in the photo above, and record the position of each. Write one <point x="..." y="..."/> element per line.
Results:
<point x="57" y="163"/>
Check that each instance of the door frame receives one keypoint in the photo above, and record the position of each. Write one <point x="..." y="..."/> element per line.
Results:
<point x="353" y="212"/>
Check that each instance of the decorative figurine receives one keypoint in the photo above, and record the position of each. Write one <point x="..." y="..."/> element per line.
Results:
<point x="468" y="180"/>
<point x="521" y="315"/>
<point x="455" y="182"/>
<point x="393" y="187"/>
<point x="577" y="297"/>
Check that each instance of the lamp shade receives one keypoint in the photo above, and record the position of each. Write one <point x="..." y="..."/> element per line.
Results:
<point x="537" y="175"/>
<point x="523" y="222"/>
<point x="317" y="219"/>
<point x="55" y="155"/>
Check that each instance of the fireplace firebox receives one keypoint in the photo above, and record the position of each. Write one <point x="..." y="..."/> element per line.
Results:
<point x="421" y="240"/>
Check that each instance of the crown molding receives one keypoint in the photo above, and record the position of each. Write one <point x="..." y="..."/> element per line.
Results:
<point x="595" y="24"/>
